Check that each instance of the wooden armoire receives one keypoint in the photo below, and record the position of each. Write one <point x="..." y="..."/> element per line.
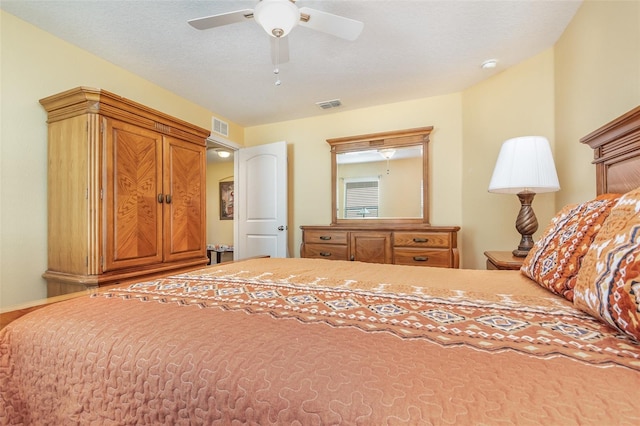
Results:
<point x="126" y="191"/>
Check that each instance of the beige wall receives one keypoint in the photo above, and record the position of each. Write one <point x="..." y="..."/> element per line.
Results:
<point x="309" y="159"/>
<point x="591" y="76"/>
<point x="36" y="65"/>
<point x="468" y="131"/>
<point x="218" y="231"/>
<point x="516" y="102"/>
<point x="597" y="78"/>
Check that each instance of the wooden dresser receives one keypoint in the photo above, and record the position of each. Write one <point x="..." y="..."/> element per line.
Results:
<point x="126" y="191"/>
<point x="421" y="245"/>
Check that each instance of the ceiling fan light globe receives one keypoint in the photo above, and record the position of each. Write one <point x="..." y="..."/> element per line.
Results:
<point x="277" y="17"/>
<point x="387" y="153"/>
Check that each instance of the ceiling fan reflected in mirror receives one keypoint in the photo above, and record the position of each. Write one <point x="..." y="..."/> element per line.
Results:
<point x="278" y="18"/>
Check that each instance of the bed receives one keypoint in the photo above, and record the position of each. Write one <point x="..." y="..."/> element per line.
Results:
<point x="307" y="341"/>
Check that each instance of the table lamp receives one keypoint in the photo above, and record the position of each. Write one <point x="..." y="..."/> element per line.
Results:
<point x="525" y="167"/>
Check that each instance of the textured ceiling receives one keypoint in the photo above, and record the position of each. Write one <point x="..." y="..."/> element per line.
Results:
<point x="407" y="50"/>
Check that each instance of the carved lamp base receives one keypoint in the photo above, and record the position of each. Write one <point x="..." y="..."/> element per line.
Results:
<point x="526" y="224"/>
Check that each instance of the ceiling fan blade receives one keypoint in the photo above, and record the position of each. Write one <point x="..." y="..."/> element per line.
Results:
<point x="221" y="19"/>
<point x="279" y="50"/>
<point x="339" y="26"/>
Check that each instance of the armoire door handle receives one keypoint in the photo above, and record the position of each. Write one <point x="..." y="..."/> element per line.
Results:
<point x="168" y="198"/>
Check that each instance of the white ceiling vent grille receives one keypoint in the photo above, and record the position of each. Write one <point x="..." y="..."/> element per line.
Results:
<point x="220" y="127"/>
<point x="335" y="103"/>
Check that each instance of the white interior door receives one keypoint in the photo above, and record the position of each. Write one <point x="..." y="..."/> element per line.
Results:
<point x="261" y="200"/>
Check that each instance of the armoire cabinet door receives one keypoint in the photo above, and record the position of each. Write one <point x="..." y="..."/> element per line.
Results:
<point x="185" y="202"/>
<point x="133" y="196"/>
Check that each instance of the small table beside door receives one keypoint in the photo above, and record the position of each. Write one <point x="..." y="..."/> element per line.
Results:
<point x="219" y="251"/>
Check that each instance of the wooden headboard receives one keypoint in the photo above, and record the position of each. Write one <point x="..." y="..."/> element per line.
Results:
<point x="616" y="153"/>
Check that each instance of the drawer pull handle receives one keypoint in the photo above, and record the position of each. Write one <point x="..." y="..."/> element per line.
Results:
<point x="325" y="253"/>
<point x="420" y="240"/>
<point x="420" y="258"/>
<point x="325" y="237"/>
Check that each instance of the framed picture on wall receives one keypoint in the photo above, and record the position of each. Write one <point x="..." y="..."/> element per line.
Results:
<point x="226" y="200"/>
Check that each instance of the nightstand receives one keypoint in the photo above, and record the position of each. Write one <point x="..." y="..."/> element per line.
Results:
<point x="503" y="260"/>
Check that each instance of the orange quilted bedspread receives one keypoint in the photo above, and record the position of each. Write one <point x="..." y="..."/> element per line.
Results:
<point x="300" y="341"/>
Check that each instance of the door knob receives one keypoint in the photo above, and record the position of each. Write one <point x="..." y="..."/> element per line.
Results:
<point x="280" y="228"/>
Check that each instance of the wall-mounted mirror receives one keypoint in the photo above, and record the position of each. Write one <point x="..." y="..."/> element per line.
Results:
<point x="380" y="177"/>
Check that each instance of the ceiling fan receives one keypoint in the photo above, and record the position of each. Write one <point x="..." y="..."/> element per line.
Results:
<point x="278" y="18"/>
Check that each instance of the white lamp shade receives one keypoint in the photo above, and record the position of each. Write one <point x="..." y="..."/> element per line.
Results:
<point x="277" y="15"/>
<point x="525" y="164"/>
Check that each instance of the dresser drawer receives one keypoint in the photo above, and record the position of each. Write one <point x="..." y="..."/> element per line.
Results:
<point x="325" y="237"/>
<point x="420" y="257"/>
<point x="422" y="239"/>
<point x="325" y="251"/>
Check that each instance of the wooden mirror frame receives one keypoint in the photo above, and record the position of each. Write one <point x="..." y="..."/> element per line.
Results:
<point x="395" y="139"/>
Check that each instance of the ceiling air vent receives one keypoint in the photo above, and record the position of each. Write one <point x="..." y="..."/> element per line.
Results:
<point x="329" y="104"/>
<point x="220" y="127"/>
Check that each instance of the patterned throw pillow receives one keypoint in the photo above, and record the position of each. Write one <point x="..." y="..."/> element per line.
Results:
<point x="608" y="285"/>
<point x="555" y="258"/>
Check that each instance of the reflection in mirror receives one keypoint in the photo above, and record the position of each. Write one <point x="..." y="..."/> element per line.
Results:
<point x="380" y="178"/>
<point x="380" y="183"/>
